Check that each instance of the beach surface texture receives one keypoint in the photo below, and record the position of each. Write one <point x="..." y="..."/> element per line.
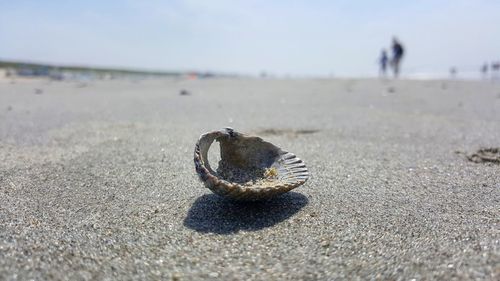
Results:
<point x="97" y="181"/>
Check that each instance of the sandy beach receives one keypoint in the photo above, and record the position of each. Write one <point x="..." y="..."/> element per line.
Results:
<point x="97" y="181"/>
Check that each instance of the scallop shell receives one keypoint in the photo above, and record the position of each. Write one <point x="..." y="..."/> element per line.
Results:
<point x="250" y="168"/>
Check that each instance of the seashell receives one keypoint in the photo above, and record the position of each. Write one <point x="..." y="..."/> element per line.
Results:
<point x="250" y="168"/>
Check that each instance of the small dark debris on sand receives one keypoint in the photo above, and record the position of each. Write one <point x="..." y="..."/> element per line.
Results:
<point x="184" y="92"/>
<point x="81" y="85"/>
<point x="38" y="91"/>
<point x="484" y="155"/>
<point x="288" y="132"/>
<point x="9" y="108"/>
<point x="391" y="90"/>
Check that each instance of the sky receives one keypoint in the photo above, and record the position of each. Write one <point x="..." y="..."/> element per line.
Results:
<point x="280" y="37"/>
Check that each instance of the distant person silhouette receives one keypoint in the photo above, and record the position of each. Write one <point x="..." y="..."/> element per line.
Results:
<point x="397" y="55"/>
<point x="453" y="72"/>
<point x="495" y="68"/>
<point x="383" y="60"/>
<point x="484" y="70"/>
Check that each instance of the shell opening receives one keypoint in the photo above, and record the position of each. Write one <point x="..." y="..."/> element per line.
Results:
<point x="244" y="159"/>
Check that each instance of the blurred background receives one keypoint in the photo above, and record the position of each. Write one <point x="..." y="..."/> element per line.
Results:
<point x="97" y="180"/>
<point x="256" y="38"/>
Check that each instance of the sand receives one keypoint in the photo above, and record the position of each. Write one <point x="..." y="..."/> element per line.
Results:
<point x="97" y="181"/>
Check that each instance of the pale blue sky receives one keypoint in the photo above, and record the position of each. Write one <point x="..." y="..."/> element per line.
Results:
<point x="297" y="37"/>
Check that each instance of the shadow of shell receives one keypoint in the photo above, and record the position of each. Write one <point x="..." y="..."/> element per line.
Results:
<point x="211" y="213"/>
